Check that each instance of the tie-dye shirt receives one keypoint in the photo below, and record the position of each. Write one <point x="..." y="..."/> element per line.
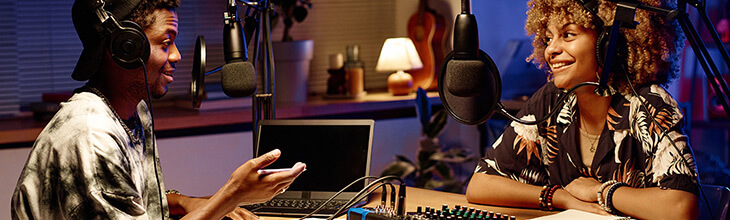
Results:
<point x="84" y="165"/>
<point x="631" y="148"/>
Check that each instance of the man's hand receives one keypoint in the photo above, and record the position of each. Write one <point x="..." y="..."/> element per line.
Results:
<point x="252" y="187"/>
<point x="188" y="204"/>
<point x="584" y="188"/>
<point x="247" y="186"/>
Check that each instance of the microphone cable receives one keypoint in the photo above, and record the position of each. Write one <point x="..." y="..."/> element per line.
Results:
<point x="665" y="134"/>
<point x="152" y="134"/>
<point x="362" y="193"/>
<point x="337" y="194"/>
<point x="562" y="97"/>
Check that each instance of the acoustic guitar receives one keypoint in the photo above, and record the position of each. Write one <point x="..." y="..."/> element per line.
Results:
<point x="421" y="29"/>
<point x="439" y="41"/>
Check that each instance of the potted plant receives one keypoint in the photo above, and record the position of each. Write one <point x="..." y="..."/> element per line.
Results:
<point x="432" y="169"/>
<point x="292" y="57"/>
<point x="290" y="11"/>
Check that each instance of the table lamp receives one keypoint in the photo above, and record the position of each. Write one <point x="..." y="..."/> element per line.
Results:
<point x="399" y="54"/>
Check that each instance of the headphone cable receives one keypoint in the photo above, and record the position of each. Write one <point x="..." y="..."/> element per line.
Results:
<point x="152" y="134"/>
<point x="552" y="112"/>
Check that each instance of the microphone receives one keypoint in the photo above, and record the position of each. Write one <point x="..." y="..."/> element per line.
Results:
<point x="472" y="86"/>
<point x="234" y="47"/>
<point x="237" y="77"/>
<point x="465" y="73"/>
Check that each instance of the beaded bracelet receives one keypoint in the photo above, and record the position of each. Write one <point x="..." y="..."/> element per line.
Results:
<point x="609" y="198"/>
<point x="550" y="197"/>
<point x="541" y="199"/>
<point x="599" y="196"/>
<point x="546" y="197"/>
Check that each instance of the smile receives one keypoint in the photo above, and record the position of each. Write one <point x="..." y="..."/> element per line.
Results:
<point x="560" y="65"/>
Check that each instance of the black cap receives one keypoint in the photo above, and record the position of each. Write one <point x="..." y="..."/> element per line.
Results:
<point x="90" y="33"/>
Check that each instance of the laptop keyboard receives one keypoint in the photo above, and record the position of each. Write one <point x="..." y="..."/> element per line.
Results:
<point x="295" y="206"/>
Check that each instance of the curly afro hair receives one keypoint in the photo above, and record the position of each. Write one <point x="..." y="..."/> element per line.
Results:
<point x="652" y="48"/>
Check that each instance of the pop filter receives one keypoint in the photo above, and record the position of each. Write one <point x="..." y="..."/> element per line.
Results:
<point x="197" y="84"/>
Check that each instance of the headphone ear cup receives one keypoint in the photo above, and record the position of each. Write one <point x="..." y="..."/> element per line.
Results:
<point x="619" y="64"/>
<point x="128" y="44"/>
<point x="601" y="45"/>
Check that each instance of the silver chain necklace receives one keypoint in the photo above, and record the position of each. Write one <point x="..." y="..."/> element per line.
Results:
<point x="134" y="136"/>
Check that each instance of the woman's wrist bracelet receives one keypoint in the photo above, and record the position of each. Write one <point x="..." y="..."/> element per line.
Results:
<point x="599" y="196"/>
<point x="546" y="197"/>
<point x="608" y="206"/>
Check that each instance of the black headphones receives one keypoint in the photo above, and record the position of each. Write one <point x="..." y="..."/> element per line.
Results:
<point x="619" y="64"/>
<point x="126" y="40"/>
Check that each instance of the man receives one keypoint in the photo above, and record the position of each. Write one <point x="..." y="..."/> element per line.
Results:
<point x="96" y="159"/>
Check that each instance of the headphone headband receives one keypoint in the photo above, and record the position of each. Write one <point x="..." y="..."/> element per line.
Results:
<point x="127" y="42"/>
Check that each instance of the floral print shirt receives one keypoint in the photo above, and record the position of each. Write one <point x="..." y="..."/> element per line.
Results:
<point x="631" y="149"/>
<point x="84" y="165"/>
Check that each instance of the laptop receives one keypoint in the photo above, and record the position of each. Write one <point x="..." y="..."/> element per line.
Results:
<point x="336" y="152"/>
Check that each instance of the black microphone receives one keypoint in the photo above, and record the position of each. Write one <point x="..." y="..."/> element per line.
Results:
<point x="465" y="73"/>
<point x="234" y="47"/>
<point x="471" y="85"/>
<point x="237" y="77"/>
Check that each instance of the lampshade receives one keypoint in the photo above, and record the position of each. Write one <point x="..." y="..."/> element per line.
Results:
<point x="398" y="54"/>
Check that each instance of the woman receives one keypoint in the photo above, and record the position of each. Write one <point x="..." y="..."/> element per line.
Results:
<point x="598" y="154"/>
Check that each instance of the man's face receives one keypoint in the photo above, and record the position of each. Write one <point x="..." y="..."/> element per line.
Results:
<point x="163" y="51"/>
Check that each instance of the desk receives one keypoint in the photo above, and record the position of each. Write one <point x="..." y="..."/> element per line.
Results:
<point x="424" y="197"/>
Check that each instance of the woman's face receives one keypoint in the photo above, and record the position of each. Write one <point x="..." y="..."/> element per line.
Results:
<point x="571" y="54"/>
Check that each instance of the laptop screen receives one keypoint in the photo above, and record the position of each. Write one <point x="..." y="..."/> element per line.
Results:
<point x="336" y="152"/>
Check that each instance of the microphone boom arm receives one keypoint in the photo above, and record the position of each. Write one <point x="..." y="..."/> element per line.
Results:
<point x="703" y="56"/>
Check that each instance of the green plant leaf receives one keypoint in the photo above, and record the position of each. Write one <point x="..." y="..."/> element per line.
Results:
<point x="428" y="144"/>
<point x="436" y="124"/>
<point x="453" y="155"/>
<point x="424" y="159"/>
<point x="403" y="158"/>
<point x="443" y="171"/>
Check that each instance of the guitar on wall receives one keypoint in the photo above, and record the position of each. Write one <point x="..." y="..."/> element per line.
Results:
<point x="421" y="30"/>
<point x="439" y="41"/>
